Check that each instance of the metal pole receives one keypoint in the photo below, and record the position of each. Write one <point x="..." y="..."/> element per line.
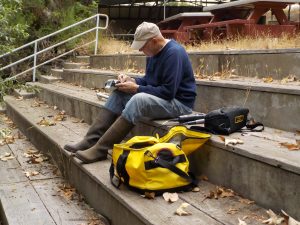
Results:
<point x="97" y="34"/>
<point x="34" y="61"/>
<point x="164" y="9"/>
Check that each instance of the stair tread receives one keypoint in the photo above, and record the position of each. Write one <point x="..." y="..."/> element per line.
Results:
<point x="235" y="81"/>
<point x="264" y="146"/>
<point x="157" y="211"/>
<point x="39" y="199"/>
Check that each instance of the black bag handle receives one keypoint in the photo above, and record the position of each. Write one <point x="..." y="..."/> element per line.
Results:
<point x="174" y="169"/>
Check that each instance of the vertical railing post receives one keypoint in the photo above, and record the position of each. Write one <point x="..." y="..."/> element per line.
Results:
<point x="97" y="33"/>
<point x="34" y="61"/>
<point x="164" y="9"/>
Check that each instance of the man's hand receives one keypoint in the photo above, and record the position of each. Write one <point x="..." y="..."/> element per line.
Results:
<point x="124" y="78"/>
<point x="128" y="87"/>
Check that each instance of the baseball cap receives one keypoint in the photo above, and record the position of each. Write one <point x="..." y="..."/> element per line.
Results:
<point x="144" y="32"/>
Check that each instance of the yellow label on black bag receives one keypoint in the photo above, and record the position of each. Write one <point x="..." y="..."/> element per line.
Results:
<point x="239" y="119"/>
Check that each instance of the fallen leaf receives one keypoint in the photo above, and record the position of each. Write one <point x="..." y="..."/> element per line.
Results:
<point x="290" y="146"/>
<point x="34" y="156"/>
<point x="203" y="177"/>
<point x="222" y="138"/>
<point x="246" y="201"/>
<point x="170" y="197"/>
<point x="31" y="151"/>
<point x="36" y="104"/>
<point x="31" y="173"/>
<point x="223" y="192"/>
<point x="196" y="189"/>
<point x="242" y="222"/>
<point x="232" y="211"/>
<point x="289" y="220"/>
<point x="20" y="98"/>
<point x="59" y="117"/>
<point x="290" y="78"/>
<point x="9" y="139"/>
<point x="267" y="79"/>
<point x="219" y="192"/>
<point x="6" y="156"/>
<point x="233" y="141"/>
<point x="150" y="195"/>
<point x="274" y="219"/>
<point x="68" y="191"/>
<point x="45" y="123"/>
<point x="181" y="211"/>
<point x="55" y="107"/>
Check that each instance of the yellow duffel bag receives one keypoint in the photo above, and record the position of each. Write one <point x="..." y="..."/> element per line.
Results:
<point x="153" y="164"/>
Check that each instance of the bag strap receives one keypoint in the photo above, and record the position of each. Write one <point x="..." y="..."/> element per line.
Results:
<point x="120" y="169"/>
<point x="174" y="169"/>
<point x="252" y="127"/>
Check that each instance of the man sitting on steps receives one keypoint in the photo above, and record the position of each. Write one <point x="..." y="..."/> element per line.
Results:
<point x="167" y="90"/>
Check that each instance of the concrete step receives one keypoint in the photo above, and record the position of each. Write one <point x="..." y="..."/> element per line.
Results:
<point x="74" y="65"/>
<point x="48" y="79"/>
<point x="122" y="206"/>
<point x="257" y="169"/>
<point x="81" y="59"/>
<point x="277" y="63"/>
<point x="271" y="103"/>
<point x="56" y="72"/>
<point x="40" y="198"/>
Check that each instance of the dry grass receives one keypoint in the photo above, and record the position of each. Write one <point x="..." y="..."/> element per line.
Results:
<point x="113" y="46"/>
<point x="247" y="43"/>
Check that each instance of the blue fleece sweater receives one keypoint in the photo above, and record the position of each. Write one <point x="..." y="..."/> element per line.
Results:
<point x="169" y="75"/>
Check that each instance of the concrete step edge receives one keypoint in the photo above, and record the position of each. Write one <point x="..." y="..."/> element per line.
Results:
<point x="89" y="181"/>
<point x="215" y="141"/>
<point x="235" y="84"/>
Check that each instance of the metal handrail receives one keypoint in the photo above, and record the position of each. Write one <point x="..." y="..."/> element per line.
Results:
<point x="35" y="42"/>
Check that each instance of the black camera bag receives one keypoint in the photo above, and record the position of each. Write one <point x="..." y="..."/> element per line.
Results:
<point x="226" y="120"/>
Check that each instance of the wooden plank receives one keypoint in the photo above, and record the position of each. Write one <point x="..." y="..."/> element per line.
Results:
<point x="22" y="206"/>
<point x="228" y="209"/>
<point x="65" y="205"/>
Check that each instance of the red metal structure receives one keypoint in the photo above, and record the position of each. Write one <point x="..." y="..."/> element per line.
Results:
<point x="244" y="17"/>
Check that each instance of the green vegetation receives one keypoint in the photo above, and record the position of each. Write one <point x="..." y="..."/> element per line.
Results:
<point x="13" y="25"/>
<point x="23" y="21"/>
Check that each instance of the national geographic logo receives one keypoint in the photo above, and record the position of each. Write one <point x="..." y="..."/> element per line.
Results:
<point x="239" y="119"/>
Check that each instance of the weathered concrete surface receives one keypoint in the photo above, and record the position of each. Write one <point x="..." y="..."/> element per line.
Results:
<point x="39" y="199"/>
<point x="270" y="186"/>
<point x="88" y="78"/>
<point x="81" y="59"/>
<point x="73" y="65"/>
<point x="48" y="79"/>
<point x="83" y="104"/>
<point x="252" y="63"/>
<point x="92" y="180"/>
<point x="119" y="61"/>
<point x="56" y="72"/>
<point x="276" y="106"/>
<point x="272" y="104"/>
<point x="261" y="150"/>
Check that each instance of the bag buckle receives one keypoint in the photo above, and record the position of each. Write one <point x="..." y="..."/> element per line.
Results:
<point x="149" y="154"/>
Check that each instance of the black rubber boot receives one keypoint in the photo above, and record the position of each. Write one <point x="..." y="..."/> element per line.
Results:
<point x="115" y="134"/>
<point x="103" y="121"/>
